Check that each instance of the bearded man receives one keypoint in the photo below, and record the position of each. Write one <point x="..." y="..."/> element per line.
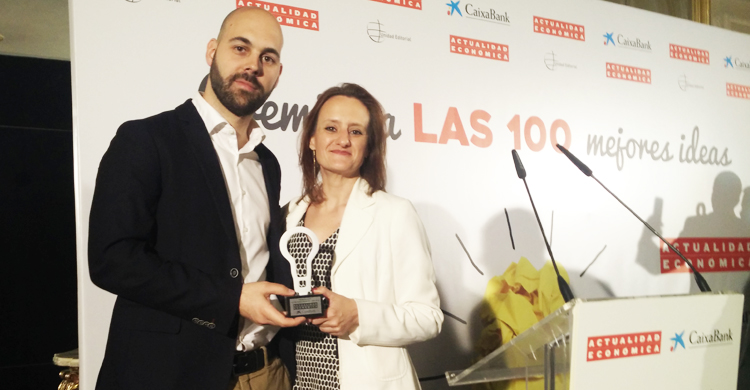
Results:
<point x="185" y="226"/>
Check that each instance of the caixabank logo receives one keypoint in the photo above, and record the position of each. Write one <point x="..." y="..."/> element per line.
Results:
<point x="731" y="62"/>
<point x="688" y="54"/>
<point x="742" y="92"/>
<point x="475" y="11"/>
<point x="413" y="4"/>
<point x="626" y="42"/>
<point x="559" y="29"/>
<point x="287" y="15"/>
<point x="629" y="73"/>
<point x="478" y="48"/>
<point x="700" y="339"/>
<point x="623" y="345"/>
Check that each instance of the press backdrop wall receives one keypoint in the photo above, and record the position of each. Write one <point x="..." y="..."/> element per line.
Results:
<point x="658" y="107"/>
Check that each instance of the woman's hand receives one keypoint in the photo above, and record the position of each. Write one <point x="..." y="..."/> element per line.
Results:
<point x="341" y="317"/>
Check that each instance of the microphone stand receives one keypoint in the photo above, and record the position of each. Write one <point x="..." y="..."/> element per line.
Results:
<point x="565" y="290"/>
<point x="702" y="284"/>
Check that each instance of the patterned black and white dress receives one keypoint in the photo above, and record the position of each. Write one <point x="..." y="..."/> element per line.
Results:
<point x="317" y="353"/>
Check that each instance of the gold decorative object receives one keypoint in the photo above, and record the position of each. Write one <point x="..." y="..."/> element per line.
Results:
<point x="702" y="11"/>
<point x="69" y="375"/>
<point x="69" y="379"/>
<point x="513" y="302"/>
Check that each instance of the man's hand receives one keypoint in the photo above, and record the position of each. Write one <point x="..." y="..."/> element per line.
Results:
<point x="342" y="317"/>
<point x="256" y="306"/>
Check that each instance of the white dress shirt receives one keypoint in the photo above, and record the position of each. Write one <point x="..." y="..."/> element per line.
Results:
<point x="243" y="176"/>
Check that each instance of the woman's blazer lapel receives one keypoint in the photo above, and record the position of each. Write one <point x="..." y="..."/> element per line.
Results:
<point x="296" y="211"/>
<point x="358" y="217"/>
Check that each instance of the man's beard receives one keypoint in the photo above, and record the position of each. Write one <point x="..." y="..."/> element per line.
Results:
<point x="241" y="102"/>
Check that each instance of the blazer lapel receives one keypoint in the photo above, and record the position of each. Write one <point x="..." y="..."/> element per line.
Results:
<point x="296" y="211"/>
<point x="358" y="217"/>
<point x="205" y="155"/>
<point x="272" y="177"/>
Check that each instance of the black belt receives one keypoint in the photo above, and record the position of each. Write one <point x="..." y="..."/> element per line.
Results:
<point x="249" y="362"/>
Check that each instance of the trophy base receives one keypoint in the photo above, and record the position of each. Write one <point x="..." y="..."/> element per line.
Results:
<point x="310" y="306"/>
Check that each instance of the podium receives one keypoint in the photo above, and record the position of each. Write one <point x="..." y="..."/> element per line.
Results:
<point x="662" y="342"/>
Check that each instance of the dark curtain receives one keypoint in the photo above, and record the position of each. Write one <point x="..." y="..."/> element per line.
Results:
<point x="37" y="222"/>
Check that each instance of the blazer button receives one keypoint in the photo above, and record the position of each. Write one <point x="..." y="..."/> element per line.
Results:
<point x="211" y="325"/>
<point x="234" y="273"/>
<point x="195" y="320"/>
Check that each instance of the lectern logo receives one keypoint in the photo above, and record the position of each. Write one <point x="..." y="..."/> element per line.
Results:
<point x="623" y="345"/>
<point x="678" y="341"/>
<point x="699" y="339"/>
<point x="712" y="338"/>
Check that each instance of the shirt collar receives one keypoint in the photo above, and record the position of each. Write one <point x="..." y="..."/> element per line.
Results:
<point x="215" y="122"/>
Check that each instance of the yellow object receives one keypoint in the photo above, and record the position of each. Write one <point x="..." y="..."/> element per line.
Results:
<point x="513" y="302"/>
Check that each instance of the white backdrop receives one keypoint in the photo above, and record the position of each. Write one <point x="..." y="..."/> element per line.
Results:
<point x="455" y="118"/>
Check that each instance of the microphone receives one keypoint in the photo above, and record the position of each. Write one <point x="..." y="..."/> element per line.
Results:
<point x="567" y="294"/>
<point x="702" y="284"/>
<point x="586" y="170"/>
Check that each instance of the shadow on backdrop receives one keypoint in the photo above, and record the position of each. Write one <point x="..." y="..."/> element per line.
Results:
<point x="723" y="222"/>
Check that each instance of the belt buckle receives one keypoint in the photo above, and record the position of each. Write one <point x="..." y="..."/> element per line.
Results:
<point x="250" y="361"/>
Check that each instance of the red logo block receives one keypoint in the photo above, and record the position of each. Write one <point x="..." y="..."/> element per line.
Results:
<point x="738" y="91"/>
<point x="688" y="54"/>
<point x="559" y="29"/>
<point x="415" y="4"/>
<point x="623" y="345"/>
<point x="630" y="73"/>
<point x="477" y="48"/>
<point x="286" y="15"/>
<point x="708" y="254"/>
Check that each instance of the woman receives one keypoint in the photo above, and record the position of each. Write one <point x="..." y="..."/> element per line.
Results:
<point x="374" y="262"/>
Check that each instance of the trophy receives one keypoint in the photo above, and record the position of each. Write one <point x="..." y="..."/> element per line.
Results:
<point x="304" y="302"/>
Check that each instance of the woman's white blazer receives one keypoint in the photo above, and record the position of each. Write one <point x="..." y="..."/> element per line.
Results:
<point x="382" y="261"/>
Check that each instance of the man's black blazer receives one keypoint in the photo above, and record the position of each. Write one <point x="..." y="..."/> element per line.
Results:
<point x="162" y="238"/>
